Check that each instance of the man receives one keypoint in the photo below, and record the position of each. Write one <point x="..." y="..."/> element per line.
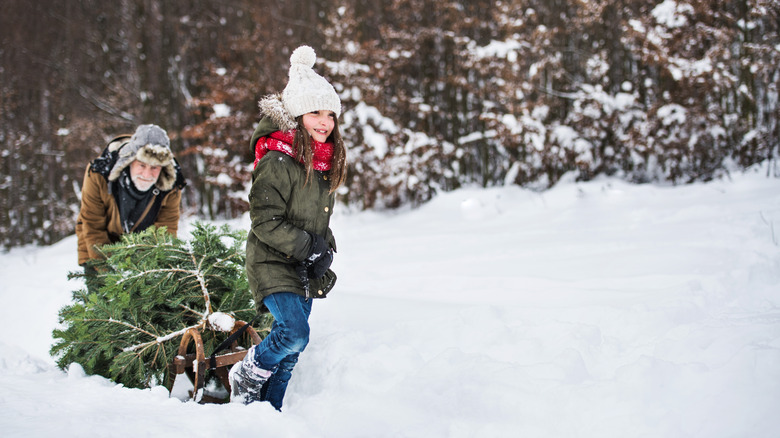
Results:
<point x="134" y="184"/>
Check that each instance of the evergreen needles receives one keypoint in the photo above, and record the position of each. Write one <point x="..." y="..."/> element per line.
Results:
<point x="151" y="288"/>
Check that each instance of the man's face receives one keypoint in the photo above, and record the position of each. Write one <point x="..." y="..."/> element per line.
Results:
<point x="144" y="175"/>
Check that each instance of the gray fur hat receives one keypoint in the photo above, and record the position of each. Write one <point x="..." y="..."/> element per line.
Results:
<point x="306" y="91"/>
<point x="150" y="144"/>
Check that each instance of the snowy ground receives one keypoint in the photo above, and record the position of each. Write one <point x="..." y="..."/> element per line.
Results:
<point x="591" y="310"/>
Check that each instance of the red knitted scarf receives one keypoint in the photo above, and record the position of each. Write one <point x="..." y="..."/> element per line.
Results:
<point x="322" y="153"/>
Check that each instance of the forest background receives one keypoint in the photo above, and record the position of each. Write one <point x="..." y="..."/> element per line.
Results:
<point x="436" y="94"/>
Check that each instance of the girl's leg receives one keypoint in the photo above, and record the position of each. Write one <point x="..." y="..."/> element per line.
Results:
<point x="276" y="386"/>
<point x="290" y="331"/>
<point x="289" y="336"/>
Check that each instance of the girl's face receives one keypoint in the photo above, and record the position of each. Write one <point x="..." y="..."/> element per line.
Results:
<point x="319" y="124"/>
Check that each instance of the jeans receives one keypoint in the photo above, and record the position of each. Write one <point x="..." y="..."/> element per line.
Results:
<point x="279" y="350"/>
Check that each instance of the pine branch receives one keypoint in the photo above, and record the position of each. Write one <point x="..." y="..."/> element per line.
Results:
<point x="154" y="271"/>
<point x="114" y="321"/>
<point x="202" y="282"/>
<point x="168" y="337"/>
<point x="148" y="291"/>
<point x="202" y="316"/>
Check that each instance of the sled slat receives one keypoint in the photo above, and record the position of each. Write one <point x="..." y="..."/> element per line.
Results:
<point x="180" y="363"/>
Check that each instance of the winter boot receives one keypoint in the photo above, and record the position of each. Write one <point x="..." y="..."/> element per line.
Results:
<point x="247" y="379"/>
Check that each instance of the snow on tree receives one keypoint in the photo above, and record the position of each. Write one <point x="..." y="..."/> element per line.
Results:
<point x="436" y="94"/>
<point x="154" y="287"/>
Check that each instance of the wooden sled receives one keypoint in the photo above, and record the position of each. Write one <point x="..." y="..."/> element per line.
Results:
<point x="195" y="364"/>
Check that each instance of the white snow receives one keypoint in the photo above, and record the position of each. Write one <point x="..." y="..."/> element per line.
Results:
<point x="672" y="114"/>
<point x="596" y="309"/>
<point x="671" y="13"/>
<point x="500" y="49"/>
<point x="222" y="321"/>
<point x="375" y="140"/>
<point x="680" y="68"/>
<point x="220" y="110"/>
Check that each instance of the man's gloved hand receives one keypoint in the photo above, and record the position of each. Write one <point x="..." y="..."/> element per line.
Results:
<point x="320" y="257"/>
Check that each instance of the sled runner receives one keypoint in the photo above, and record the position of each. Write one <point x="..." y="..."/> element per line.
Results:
<point x="194" y="365"/>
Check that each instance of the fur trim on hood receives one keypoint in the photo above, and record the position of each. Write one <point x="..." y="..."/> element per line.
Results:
<point x="271" y="106"/>
<point x="150" y="145"/>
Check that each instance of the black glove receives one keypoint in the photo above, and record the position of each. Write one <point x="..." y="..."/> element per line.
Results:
<point x="320" y="257"/>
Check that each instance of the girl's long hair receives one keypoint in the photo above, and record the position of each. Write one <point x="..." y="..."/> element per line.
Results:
<point x="303" y="153"/>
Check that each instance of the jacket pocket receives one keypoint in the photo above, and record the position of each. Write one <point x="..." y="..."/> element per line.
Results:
<point x="321" y="286"/>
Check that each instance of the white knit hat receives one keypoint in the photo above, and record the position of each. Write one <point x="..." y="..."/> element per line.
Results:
<point x="307" y="91"/>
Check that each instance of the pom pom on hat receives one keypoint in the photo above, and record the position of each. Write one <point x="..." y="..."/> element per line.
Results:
<point x="307" y="91"/>
<point x="304" y="56"/>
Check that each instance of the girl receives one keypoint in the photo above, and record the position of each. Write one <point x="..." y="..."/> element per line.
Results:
<point x="300" y="161"/>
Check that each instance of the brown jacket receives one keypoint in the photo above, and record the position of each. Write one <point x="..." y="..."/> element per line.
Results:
<point x="99" y="222"/>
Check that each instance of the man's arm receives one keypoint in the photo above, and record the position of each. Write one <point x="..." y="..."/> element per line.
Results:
<point x="169" y="212"/>
<point x="92" y="216"/>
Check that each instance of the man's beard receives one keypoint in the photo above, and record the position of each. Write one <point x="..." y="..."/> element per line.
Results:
<point x="141" y="184"/>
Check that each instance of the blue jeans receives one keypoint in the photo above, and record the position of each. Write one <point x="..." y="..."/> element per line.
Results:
<point x="279" y="350"/>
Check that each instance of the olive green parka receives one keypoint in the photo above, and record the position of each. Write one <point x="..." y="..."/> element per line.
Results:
<point x="284" y="208"/>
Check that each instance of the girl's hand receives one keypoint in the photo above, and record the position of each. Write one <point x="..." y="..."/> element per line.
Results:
<point x="320" y="257"/>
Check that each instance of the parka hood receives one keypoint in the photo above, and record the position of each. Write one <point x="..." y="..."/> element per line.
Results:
<point x="274" y="117"/>
<point x="271" y="106"/>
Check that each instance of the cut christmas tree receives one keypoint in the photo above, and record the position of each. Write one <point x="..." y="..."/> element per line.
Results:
<point x="150" y="289"/>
